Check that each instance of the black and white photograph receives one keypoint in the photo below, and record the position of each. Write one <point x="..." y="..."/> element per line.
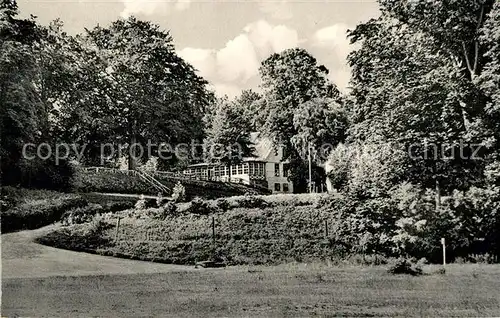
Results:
<point x="260" y="158"/>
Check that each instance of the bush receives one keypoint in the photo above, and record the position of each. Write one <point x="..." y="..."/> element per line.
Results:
<point x="37" y="213"/>
<point x="81" y="215"/>
<point x="179" y="193"/>
<point x="140" y="204"/>
<point x="118" y="206"/>
<point x="199" y="206"/>
<point x="40" y="174"/>
<point x="160" y="200"/>
<point x="404" y="266"/>
<point x="88" y="237"/>
<point x="222" y="204"/>
<point x="252" y="202"/>
<point x="404" y="224"/>
<point x="469" y="221"/>
<point x="170" y="209"/>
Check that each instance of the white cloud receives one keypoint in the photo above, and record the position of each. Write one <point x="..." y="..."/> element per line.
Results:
<point x="334" y="37"/>
<point x="202" y="59"/>
<point x="277" y="9"/>
<point x="238" y="60"/>
<point x="271" y="39"/>
<point x="149" y="7"/>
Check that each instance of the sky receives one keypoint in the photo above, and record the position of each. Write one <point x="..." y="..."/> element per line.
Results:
<point x="227" y="40"/>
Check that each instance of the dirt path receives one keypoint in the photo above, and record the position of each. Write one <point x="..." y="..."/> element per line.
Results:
<point x="23" y="258"/>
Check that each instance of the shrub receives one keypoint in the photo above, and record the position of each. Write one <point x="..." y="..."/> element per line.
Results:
<point x="405" y="224"/>
<point x="179" y="192"/>
<point x="222" y="204"/>
<point x="118" y="206"/>
<point x="150" y="166"/>
<point x="160" y="200"/>
<point x="199" y="206"/>
<point x="252" y="202"/>
<point x="169" y="209"/>
<point x="37" y="213"/>
<point x="40" y="174"/>
<point x="88" y="237"/>
<point x="404" y="266"/>
<point x="140" y="204"/>
<point x="81" y="215"/>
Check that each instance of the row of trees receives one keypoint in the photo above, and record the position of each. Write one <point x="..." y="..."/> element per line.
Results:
<point x="423" y="104"/>
<point x="426" y="73"/>
<point x="124" y="84"/>
<point x="299" y="109"/>
<point x="121" y="84"/>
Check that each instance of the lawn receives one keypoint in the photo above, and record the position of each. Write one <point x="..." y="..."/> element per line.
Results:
<point x="281" y="291"/>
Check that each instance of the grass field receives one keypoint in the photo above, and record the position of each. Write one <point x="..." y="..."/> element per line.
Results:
<point x="283" y="291"/>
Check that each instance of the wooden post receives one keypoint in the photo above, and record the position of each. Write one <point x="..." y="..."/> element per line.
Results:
<point x="213" y="238"/>
<point x="213" y="230"/>
<point x="326" y="228"/>
<point x="443" y="242"/>
<point x="117" y="229"/>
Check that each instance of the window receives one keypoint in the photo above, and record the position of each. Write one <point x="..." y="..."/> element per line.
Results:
<point x="251" y="168"/>
<point x="233" y="169"/>
<point x="285" y="187"/>
<point x="276" y="169"/>
<point x="245" y="168"/>
<point x="216" y="171"/>
<point x="261" y="169"/>
<point x="240" y="169"/>
<point x="277" y="187"/>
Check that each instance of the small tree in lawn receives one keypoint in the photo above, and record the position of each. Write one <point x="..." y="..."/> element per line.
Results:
<point x="228" y="136"/>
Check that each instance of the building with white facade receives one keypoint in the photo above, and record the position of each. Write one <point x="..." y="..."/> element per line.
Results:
<point x="265" y="169"/>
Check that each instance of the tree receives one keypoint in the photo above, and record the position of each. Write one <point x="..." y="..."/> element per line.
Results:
<point x="489" y="80"/>
<point x="290" y="79"/>
<point x="228" y="137"/>
<point x="454" y="26"/>
<point x="408" y="91"/>
<point x="20" y="107"/>
<point x="147" y="85"/>
<point x="247" y="105"/>
<point x="321" y="123"/>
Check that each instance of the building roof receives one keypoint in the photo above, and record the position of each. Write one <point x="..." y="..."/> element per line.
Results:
<point x="263" y="146"/>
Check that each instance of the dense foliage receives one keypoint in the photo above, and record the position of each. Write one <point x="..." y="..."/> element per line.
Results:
<point x="35" y="213"/>
<point x="253" y="231"/>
